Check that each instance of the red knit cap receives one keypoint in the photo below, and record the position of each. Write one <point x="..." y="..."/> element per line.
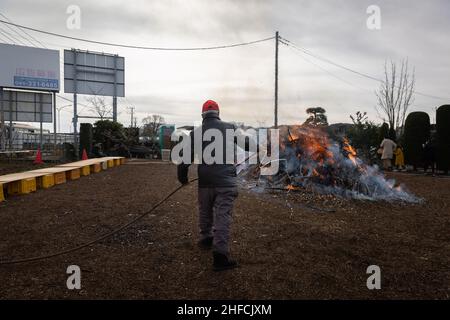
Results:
<point x="210" y="105"/>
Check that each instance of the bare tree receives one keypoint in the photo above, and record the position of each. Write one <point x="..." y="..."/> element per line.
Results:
<point x="99" y="106"/>
<point x="395" y="94"/>
<point x="152" y="124"/>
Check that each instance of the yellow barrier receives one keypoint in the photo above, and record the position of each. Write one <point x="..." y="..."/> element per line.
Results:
<point x="73" y="174"/>
<point x="60" y="177"/>
<point x="46" y="181"/>
<point x="96" y="167"/>
<point x="85" y="171"/>
<point x="22" y="186"/>
<point x="26" y="182"/>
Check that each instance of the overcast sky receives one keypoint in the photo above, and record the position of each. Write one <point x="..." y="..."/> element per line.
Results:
<point x="241" y="80"/>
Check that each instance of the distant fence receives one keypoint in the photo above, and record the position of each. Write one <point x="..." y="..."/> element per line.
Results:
<point x="32" y="141"/>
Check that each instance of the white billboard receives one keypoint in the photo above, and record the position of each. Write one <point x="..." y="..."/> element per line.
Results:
<point x="26" y="106"/>
<point x="29" y="68"/>
<point x="96" y="73"/>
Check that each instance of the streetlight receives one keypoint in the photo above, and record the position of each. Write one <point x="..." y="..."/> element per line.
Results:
<point x="59" y="118"/>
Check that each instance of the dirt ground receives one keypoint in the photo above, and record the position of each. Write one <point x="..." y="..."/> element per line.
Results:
<point x="290" y="246"/>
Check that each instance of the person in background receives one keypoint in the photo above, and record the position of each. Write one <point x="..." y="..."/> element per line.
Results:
<point x="399" y="158"/>
<point x="387" y="155"/>
<point x="429" y="150"/>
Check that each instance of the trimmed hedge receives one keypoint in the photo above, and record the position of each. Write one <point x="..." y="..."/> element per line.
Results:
<point x="443" y="137"/>
<point x="86" y="138"/>
<point x="417" y="132"/>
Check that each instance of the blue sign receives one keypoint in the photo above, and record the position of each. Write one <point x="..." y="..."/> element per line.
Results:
<point x="41" y="83"/>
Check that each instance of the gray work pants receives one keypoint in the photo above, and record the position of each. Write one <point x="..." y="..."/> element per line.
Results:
<point x="215" y="211"/>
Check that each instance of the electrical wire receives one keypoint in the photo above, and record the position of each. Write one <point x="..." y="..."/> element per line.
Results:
<point x="324" y="70"/>
<point x="24" y="32"/>
<point x="3" y="39"/>
<point x="13" y="35"/>
<point x="290" y="43"/>
<point x="5" y="34"/>
<point x="133" y="46"/>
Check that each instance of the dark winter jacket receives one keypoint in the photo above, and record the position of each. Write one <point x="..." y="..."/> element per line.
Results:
<point x="213" y="175"/>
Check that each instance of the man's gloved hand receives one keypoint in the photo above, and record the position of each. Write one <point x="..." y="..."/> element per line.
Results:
<point x="182" y="174"/>
<point x="183" y="180"/>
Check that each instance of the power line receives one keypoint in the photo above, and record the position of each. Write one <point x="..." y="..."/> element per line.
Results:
<point x="12" y="35"/>
<point x="3" y="39"/>
<point x="24" y="32"/>
<point x="5" y="34"/>
<point x="132" y="46"/>
<point x="16" y="36"/>
<point x="15" y="31"/>
<point x="323" y="69"/>
<point x="290" y="43"/>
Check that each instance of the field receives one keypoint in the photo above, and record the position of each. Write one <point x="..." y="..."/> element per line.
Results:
<point x="290" y="246"/>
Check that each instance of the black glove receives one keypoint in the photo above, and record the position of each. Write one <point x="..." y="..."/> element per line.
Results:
<point x="183" y="180"/>
<point x="183" y="174"/>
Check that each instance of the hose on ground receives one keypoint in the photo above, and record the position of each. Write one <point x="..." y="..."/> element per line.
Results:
<point x="105" y="236"/>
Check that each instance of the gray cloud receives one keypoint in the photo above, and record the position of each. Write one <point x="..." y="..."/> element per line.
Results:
<point x="175" y="84"/>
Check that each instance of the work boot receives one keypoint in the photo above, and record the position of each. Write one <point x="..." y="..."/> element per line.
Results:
<point x="206" y="243"/>
<point x="223" y="262"/>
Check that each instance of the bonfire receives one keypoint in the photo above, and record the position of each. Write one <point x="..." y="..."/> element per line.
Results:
<point x="310" y="159"/>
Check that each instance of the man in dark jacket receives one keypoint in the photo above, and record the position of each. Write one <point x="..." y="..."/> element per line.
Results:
<point x="217" y="189"/>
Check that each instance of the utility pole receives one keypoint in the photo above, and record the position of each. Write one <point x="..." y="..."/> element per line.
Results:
<point x="132" y="116"/>
<point x="2" y="124"/>
<point x="75" y="111"/>
<point x="115" y="90"/>
<point x="54" y="118"/>
<point x="276" y="79"/>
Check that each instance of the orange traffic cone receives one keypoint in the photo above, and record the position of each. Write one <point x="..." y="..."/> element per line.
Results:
<point x="84" y="155"/>
<point x="38" y="159"/>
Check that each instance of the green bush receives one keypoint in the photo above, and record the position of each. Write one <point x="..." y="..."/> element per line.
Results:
<point x="363" y="135"/>
<point x="417" y="132"/>
<point x="443" y="137"/>
<point x="108" y="133"/>
<point x="86" y="138"/>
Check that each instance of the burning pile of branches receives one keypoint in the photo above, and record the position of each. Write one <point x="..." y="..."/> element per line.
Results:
<point x="310" y="159"/>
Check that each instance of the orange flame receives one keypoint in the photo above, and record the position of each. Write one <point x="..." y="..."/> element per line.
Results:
<point x="351" y="151"/>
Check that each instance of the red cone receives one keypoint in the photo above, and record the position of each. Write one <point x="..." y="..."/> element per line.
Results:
<point x="84" y="155"/>
<point x="38" y="159"/>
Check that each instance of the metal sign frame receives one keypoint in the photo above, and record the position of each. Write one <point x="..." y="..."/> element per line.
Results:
<point x="23" y="106"/>
<point x="27" y="68"/>
<point x="93" y="73"/>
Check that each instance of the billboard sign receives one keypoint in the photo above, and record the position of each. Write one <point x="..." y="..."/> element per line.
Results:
<point x="29" y="68"/>
<point x="93" y="73"/>
<point x="26" y="106"/>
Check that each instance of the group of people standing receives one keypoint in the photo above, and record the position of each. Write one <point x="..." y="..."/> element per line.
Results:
<point x="392" y="155"/>
<point x="388" y="149"/>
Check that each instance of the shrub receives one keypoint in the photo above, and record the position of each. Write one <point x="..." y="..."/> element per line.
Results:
<point x="86" y="137"/>
<point x="417" y="132"/>
<point x="108" y="133"/>
<point x="443" y="137"/>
